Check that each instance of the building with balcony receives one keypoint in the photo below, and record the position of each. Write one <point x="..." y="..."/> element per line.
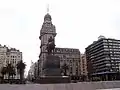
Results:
<point x="103" y="59"/>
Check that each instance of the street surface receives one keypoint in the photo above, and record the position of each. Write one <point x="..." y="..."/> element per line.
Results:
<point x="45" y="87"/>
<point x="110" y="89"/>
<point x="112" y="85"/>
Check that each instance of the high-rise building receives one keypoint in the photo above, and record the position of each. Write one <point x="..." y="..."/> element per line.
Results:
<point x="12" y="56"/>
<point x="47" y="30"/>
<point x="69" y="56"/>
<point x="103" y="59"/>
<point x="83" y="64"/>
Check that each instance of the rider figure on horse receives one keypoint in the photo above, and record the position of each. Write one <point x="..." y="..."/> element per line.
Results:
<point x="50" y="45"/>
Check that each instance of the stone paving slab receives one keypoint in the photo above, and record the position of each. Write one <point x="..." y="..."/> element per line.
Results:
<point x="70" y="86"/>
<point x="110" y="89"/>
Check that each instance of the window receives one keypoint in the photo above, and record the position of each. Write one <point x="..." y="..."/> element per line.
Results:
<point x="109" y="40"/>
<point x="108" y="65"/>
<point x="107" y="58"/>
<point x="104" y="40"/>
<point x="105" y="46"/>
<point x="106" y="49"/>
<point x="110" y="44"/>
<point x="111" y="60"/>
<point x="111" y="70"/>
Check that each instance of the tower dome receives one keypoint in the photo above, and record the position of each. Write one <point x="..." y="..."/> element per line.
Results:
<point x="47" y="17"/>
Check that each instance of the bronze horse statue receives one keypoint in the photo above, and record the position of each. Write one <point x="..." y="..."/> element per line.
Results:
<point x="50" y="46"/>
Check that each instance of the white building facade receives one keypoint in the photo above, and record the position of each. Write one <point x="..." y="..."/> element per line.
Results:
<point x="12" y="56"/>
<point x="31" y="71"/>
<point x="3" y="57"/>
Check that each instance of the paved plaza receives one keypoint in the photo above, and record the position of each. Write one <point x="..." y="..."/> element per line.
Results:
<point x="113" y="85"/>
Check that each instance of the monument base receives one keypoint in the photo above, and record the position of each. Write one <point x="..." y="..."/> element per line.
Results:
<point x="52" y="71"/>
<point x="51" y="66"/>
<point x="53" y="79"/>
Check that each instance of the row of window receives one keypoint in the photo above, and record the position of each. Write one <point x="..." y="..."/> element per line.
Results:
<point x="115" y="58"/>
<point x="114" y="55"/>
<point x="113" y="44"/>
<point x="66" y="50"/>
<point x="113" y="64"/>
<point x="114" y="52"/>
<point x="63" y="60"/>
<point x="11" y="62"/>
<point x="109" y="58"/>
<point x="114" y="41"/>
<point x="106" y="46"/>
<point x="14" y="56"/>
<point x="68" y="57"/>
<point x="114" y="70"/>
<point x="117" y="64"/>
<point x="111" y="49"/>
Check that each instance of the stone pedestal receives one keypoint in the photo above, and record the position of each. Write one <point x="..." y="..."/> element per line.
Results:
<point x="54" y="79"/>
<point x="52" y="66"/>
<point x="52" y="72"/>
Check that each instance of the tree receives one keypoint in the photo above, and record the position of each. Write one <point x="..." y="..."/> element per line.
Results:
<point x="21" y="67"/>
<point x="83" y="77"/>
<point x="3" y="71"/>
<point x="10" y="70"/>
<point x="65" y="68"/>
<point x="12" y="73"/>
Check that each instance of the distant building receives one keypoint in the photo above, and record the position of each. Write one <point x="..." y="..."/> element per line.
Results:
<point x="69" y="56"/>
<point x="83" y="64"/>
<point x="103" y="59"/>
<point x="31" y="71"/>
<point x="36" y="70"/>
<point x="3" y="57"/>
<point x="12" y="56"/>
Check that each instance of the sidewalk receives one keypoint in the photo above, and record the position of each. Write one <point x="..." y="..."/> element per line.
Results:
<point x="28" y="82"/>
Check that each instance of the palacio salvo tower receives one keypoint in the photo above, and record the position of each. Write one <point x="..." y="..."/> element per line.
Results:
<point x="47" y="30"/>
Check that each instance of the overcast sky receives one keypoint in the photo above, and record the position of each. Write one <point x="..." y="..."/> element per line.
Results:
<point x="78" y="23"/>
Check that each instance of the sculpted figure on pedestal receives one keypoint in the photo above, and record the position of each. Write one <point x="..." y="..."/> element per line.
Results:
<point x="50" y="46"/>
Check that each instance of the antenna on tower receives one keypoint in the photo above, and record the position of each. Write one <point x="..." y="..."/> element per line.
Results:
<point x="48" y="8"/>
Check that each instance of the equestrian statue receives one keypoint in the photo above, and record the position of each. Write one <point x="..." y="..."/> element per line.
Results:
<point x="50" y="46"/>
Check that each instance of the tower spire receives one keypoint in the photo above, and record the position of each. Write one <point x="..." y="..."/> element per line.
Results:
<point x="48" y="8"/>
